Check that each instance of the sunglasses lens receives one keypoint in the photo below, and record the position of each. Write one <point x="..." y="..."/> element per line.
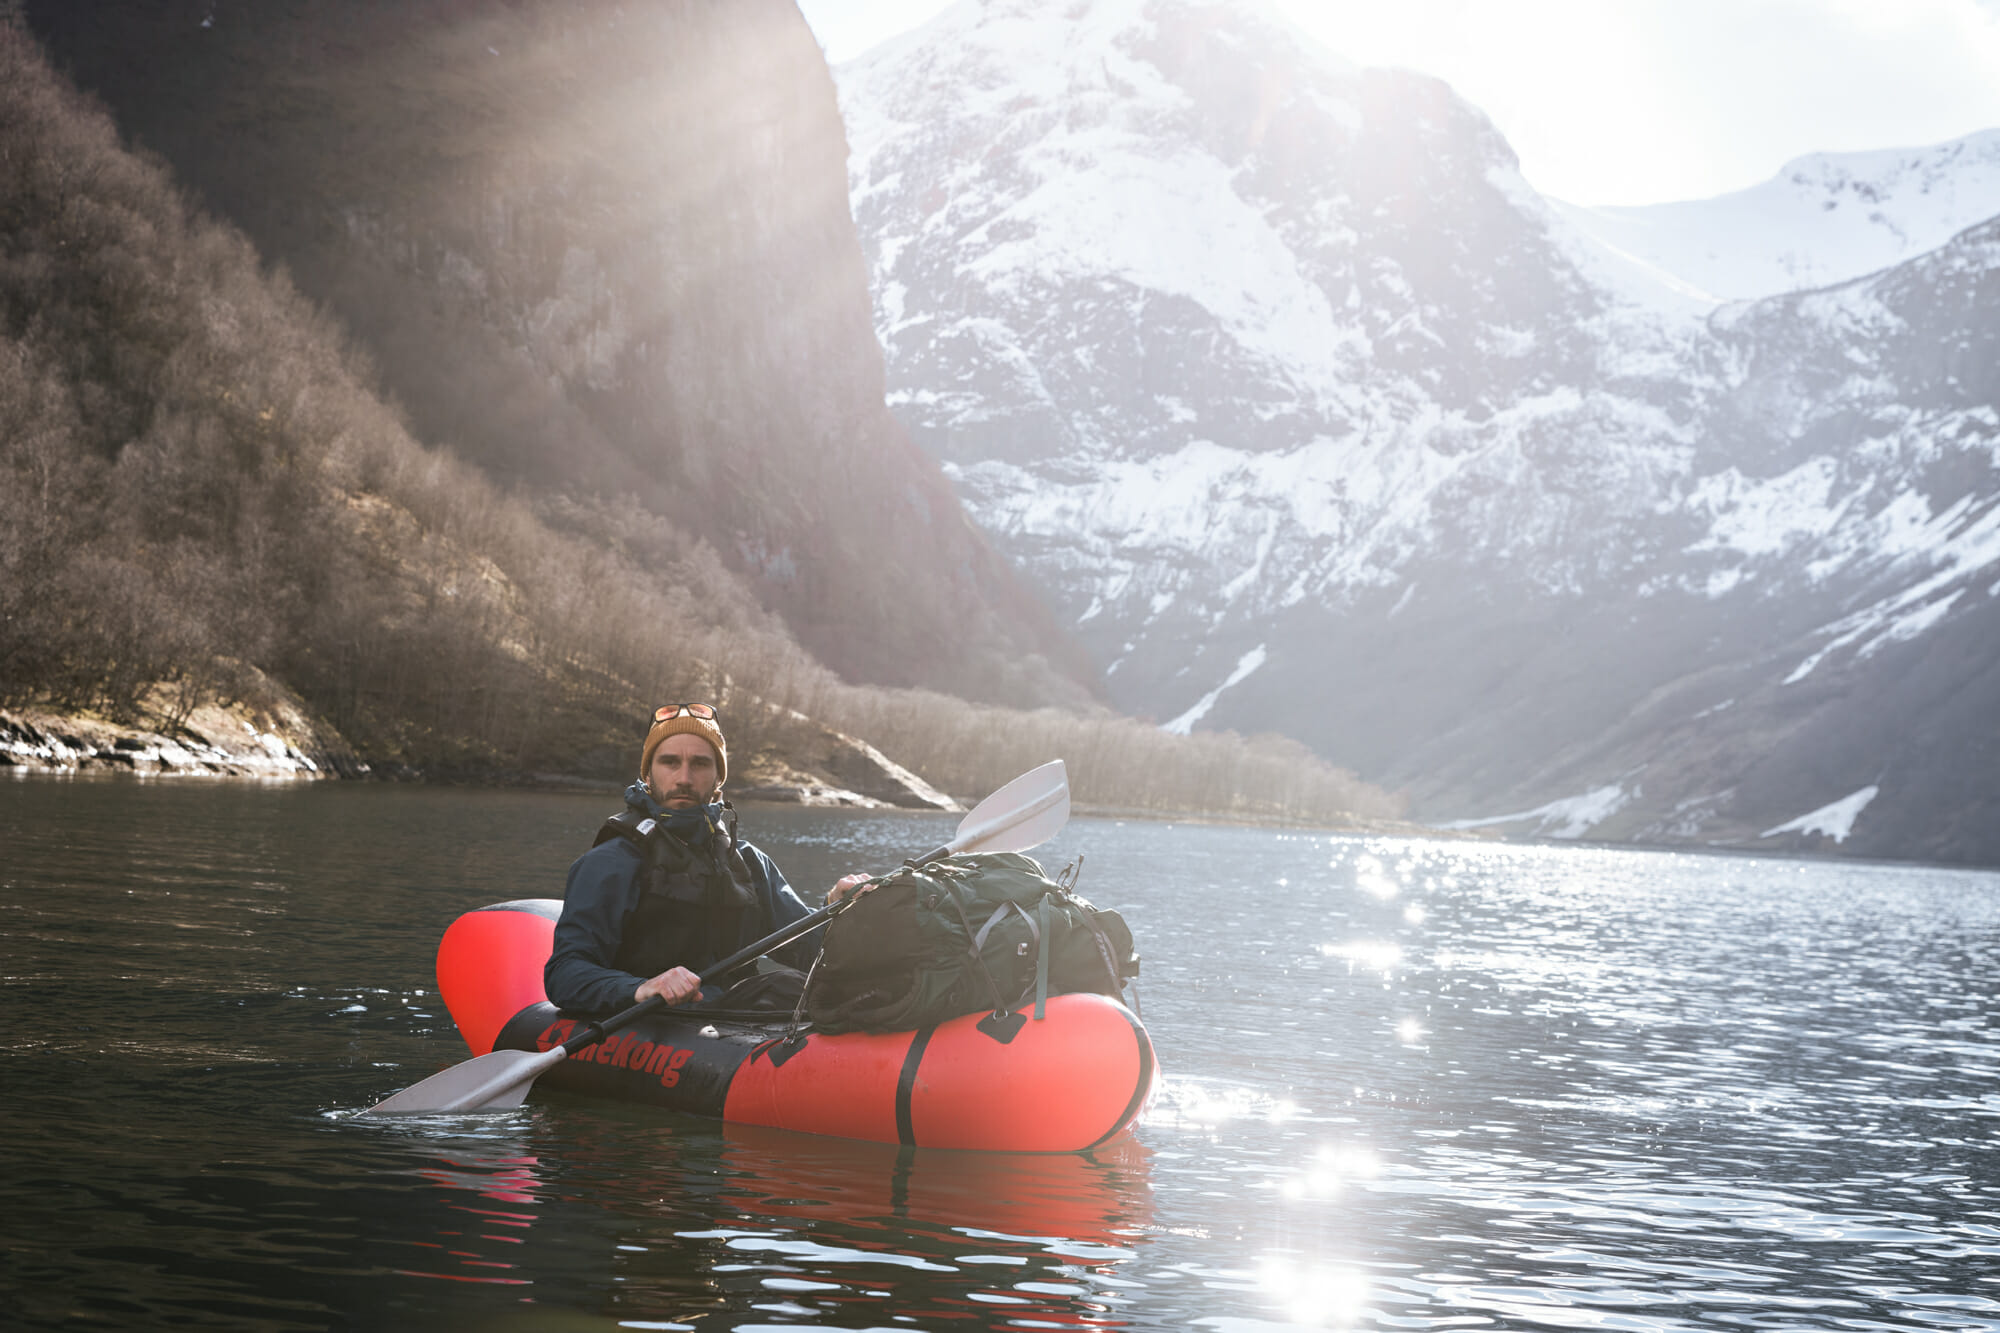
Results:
<point x="699" y="710"/>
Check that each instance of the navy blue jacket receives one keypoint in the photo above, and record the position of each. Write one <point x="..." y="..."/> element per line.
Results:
<point x="603" y="892"/>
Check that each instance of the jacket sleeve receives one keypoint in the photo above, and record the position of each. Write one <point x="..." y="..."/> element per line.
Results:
<point x="782" y="905"/>
<point x="602" y="890"/>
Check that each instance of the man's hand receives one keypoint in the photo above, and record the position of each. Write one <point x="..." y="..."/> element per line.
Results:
<point x="673" y="985"/>
<point x="855" y="884"/>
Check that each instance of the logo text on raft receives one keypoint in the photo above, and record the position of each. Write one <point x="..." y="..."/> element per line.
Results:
<point x="623" y="1051"/>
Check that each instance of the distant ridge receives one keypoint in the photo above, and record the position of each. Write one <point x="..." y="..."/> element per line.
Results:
<point x="1823" y="219"/>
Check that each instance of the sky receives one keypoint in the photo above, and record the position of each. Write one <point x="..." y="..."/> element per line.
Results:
<point x="1644" y="101"/>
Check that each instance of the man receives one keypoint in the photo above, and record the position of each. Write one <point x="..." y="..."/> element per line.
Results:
<point x="670" y="889"/>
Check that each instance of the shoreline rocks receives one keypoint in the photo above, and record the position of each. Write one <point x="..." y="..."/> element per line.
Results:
<point x="212" y="742"/>
<point x="283" y="742"/>
<point x="268" y="733"/>
<point x="818" y="766"/>
<point x="809" y="793"/>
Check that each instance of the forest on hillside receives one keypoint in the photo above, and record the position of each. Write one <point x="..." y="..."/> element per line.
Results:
<point x="601" y="248"/>
<point x="202" y="487"/>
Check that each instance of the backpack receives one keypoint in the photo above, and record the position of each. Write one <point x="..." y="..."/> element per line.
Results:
<point x="953" y="936"/>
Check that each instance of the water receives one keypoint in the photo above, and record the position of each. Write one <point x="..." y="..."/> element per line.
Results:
<point x="1408" y="1085"/>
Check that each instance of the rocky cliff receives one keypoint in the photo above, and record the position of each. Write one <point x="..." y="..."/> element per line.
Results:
<point x="598" y="248"/>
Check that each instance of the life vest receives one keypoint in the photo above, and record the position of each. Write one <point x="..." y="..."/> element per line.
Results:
<point x="696" y="907"/>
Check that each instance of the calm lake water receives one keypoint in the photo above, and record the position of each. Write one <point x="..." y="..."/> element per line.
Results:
<point x="1408" y="1084"/>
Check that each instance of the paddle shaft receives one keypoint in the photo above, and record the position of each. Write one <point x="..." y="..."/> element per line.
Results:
<point x="777" y="939"/>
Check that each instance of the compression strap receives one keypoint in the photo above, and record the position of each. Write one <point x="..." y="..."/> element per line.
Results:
<point x="1042" y="961"/>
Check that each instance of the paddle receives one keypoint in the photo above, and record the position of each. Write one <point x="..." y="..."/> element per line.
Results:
<point x="1025" y="813"/>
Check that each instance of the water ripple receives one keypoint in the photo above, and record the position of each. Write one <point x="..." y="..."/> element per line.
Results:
<point x="1405" y="1085"/>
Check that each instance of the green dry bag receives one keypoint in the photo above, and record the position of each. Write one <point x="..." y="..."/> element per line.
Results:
<point x="986" y="931"/>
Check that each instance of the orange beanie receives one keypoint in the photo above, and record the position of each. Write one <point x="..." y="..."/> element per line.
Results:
<point x="687" y="724"/>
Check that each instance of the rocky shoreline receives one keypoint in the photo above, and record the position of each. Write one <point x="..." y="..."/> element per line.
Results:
<point x="212" y="742"/>
<point x="834" y="770"/>
<point x="286" y="745"/>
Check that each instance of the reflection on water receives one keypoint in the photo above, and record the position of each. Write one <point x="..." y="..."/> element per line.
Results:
<point x="1089" y="1199"/>
<point x="1037" y="1238"/>
<point x="706" y="1218"/>
<point x="1406" y="1084"/>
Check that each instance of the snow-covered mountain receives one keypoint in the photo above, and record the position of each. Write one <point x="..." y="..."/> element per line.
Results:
<point x="1824" y="219"/>
<point x="1314" y="417"/>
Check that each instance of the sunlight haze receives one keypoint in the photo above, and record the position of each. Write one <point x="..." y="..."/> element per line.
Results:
<point x="1646" y="101"/>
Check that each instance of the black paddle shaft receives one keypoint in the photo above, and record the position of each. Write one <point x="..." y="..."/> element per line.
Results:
<point x="592" y="1033"/>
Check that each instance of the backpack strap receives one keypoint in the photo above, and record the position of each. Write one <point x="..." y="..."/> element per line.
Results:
<point x="635" y="827"/>
<point x="641" y="830"/>
<point x="646" y="836"/>
<point x="1038" y="930"/>
<point x="975" y="940"/>
<point x="628" y="824"/>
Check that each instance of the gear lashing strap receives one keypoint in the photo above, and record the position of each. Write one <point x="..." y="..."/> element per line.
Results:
<point x="1040" y="934"/>
<point x="1042" y="961"/>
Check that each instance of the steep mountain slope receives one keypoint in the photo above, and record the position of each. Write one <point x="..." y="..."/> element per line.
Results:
<point x="1318" y="420"/>
<point x="1823" y="219"/>
<point x="600" y="248"/>
<point x="203" y="500"/>
<point x="1850" y="483"/>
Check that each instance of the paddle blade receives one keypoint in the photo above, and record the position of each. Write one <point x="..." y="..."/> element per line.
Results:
<point x="497" y="1081"/>
<point x="1024" y="814"/>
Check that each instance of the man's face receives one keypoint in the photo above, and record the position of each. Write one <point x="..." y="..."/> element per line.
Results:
<point x="683" y="772"/>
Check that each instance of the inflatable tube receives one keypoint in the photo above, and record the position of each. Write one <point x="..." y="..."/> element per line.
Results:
<point x="1063" y="1083"/>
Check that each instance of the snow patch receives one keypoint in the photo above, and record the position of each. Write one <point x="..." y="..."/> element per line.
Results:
<point x="1894" y="620"/>
<point x="1571" y="817"/>
<point x="1246" y="664"/>
<point x="1760" y="518"/>
<point x="1835" y="821"/>
<point x="1172" y="225"/>
<point x="1958" y="544"/>
<point x="1910" y="624"/>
